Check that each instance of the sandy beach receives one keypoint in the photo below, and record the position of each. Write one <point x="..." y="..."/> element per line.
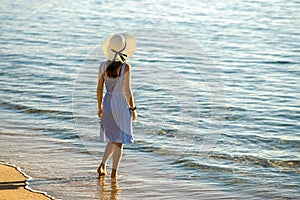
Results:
<point x="12" y="185"/>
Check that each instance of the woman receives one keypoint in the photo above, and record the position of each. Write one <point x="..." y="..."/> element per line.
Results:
<point x="118" y="108"/>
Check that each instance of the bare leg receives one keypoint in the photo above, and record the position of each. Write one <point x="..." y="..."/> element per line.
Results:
<point x="117" y="156"/>
<point x="107" y="153"/>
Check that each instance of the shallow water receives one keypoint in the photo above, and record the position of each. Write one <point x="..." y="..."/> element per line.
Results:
<point x="216" y="86"/>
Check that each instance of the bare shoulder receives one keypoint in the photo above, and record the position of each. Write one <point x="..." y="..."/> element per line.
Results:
<point x="107" y="62"/>
<point x="127" y="67"/>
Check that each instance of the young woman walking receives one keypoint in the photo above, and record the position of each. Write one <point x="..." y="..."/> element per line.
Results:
<point x="117" y="110"/>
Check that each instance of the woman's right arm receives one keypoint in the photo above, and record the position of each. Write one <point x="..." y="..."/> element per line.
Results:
<point x="128" y="92"/>
<point x="100" y="91"/>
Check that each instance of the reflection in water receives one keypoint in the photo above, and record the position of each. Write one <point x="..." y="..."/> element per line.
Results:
<point x="108" y="190"/>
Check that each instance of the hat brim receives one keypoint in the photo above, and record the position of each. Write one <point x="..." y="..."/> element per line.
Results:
<point x="129" y="50"/>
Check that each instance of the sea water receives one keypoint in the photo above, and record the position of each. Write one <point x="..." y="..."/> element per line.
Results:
<point x="216" y="85"/>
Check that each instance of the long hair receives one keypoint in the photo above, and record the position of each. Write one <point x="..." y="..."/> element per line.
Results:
<point x="111" y="69"/>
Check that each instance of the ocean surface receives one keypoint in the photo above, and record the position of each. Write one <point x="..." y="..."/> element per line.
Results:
<point x="216" y="85"/>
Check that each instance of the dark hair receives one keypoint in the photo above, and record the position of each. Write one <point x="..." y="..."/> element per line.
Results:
<point x="111" y="69"/>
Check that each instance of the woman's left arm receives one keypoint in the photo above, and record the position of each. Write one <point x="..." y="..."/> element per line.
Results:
<point x="100" y="91"/>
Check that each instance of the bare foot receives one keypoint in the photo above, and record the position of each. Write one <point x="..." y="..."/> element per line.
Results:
<point x="113" y="173"/>
<point x="102" y="170"/>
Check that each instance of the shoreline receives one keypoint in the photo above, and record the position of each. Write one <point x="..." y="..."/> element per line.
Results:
<point x="13" y="185"/>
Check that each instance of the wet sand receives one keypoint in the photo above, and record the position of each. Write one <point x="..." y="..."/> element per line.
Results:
<point x="12" y="185"/>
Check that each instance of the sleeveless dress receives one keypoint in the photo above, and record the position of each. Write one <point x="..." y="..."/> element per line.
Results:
<point x="116" y="125"/>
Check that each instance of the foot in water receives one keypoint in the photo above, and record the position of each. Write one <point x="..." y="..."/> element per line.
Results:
<point x="114" y="173"/>
<point x="102" y="170"/>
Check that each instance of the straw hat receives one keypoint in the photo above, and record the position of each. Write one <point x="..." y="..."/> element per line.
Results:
<point x="119" y="47"/>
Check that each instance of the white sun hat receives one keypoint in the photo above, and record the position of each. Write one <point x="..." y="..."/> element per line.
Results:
<point x="119" y="47"/>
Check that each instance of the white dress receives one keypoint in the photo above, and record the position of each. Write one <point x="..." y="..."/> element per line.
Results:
<point x="116" y="125"/>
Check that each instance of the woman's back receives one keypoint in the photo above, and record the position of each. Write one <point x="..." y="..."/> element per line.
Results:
<point x="114" y="84"/>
